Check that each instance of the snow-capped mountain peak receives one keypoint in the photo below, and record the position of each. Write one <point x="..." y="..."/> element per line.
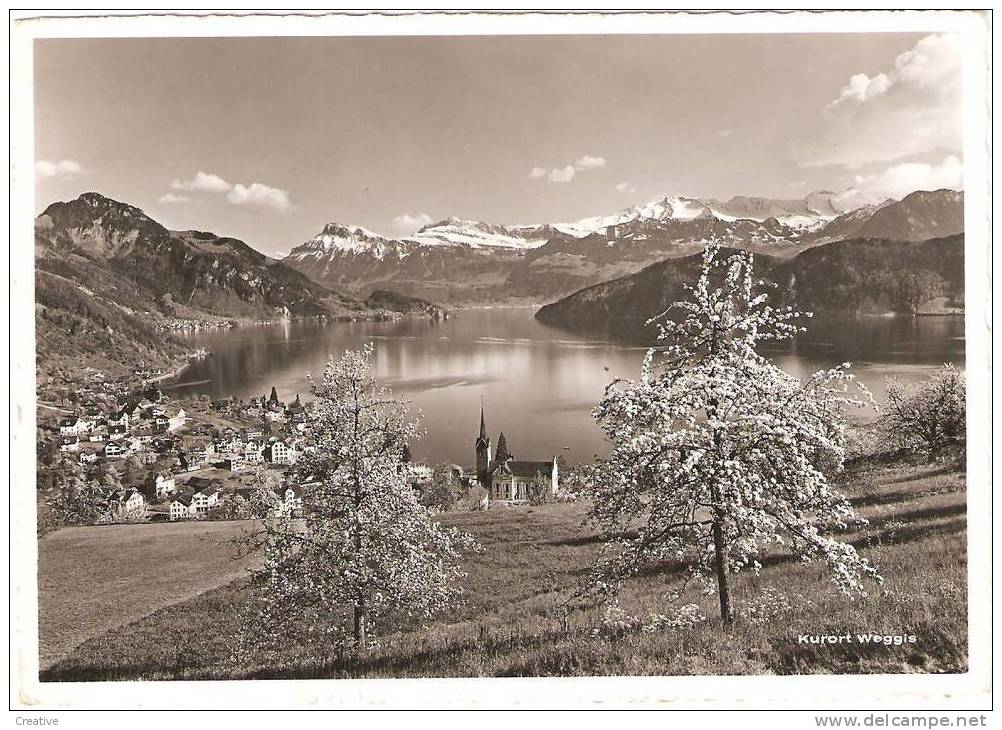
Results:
<point x="344" y="238"/>
<point x="475" y="234"/>
<point x="335" y="231"/>
<point x="455" y="259"/>
<point x="806" y="213"/>
<point x="852" y="199"/>
<point x="754" y="218"/>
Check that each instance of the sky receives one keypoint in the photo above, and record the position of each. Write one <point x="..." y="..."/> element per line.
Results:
<point x="268" y="139"/>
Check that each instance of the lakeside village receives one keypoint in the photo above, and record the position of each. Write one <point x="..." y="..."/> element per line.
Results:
<point x="156" y="459"/>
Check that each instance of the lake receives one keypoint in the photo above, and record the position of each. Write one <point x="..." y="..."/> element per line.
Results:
<point x="538" y="383"/>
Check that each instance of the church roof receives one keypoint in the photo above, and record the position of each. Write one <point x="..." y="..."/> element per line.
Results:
<point x="530" y="469"/>
<point x="524" y="469"/>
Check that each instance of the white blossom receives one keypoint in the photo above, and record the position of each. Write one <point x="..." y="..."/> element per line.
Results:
<point x="365" y="547"/>
<point x="713" y="437"/>
<point x="932" y="413"/>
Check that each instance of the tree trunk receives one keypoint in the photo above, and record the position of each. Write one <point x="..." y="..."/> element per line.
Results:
<point x="720" y="555"/>
<point x="719" y="546"/>
<point x="721" y="560"/>
<point x="360" y="628"/>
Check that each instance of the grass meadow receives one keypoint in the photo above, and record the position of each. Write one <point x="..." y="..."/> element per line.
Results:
<point x="513" y="622"/>
<point x="92" y="580"/>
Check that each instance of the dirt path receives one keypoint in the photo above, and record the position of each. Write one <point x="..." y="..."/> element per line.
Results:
<point x="54" y="408"/>
<point x="93" y="579"/>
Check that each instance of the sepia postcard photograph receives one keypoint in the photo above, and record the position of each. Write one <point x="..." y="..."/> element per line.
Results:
<point x="633" y="350"/>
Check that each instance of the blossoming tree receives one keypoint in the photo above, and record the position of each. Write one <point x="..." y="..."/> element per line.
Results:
<point x="365" y="546"/>
<point x="932" y="413"/>
<point x="74" y="499"/>
<point x="717" y="454"/>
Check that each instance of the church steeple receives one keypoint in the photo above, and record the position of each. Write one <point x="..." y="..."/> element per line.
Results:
<point x="483" y="424"/>
<point x="483" y="447"/>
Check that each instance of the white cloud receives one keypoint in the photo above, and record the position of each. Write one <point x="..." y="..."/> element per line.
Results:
<point x="254" y="194"/>
<point x="204" y="182"/>
<point x="172" y="198"/>
<point x="567" y="172"/>
<point x="409" y="223"/>
<point x="725" y="132"/>
<point x="900" y="180"/>
<point x="561" y="174"/>
<point x="589" y="163"/>
<point x="862" y="88"/>
<point x="259" y="194"/>
<point x="912" y="109"/>
<point x="626" y="187"/>
<point x="63" y="169"/>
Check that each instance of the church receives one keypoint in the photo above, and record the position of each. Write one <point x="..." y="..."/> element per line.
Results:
<point x="507" y="480"/>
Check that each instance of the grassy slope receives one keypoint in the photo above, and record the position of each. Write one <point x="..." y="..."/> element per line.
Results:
<point x="74" y="328"/>
<point x="510" y="624"/>
<point x="92" y="579"/>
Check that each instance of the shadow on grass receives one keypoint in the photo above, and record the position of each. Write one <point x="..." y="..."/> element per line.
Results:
<point x="927" y="513"/>
<point x="492" y="647"/>
<point x="884" y="498"/>
<point x="949" y="469"/>
<point x="896" y="536"/>
<point x="583" y="540"/>
<point x="910" y="534"/>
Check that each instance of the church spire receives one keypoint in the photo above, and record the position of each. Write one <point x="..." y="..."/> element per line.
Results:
<point x="483" y="447"/>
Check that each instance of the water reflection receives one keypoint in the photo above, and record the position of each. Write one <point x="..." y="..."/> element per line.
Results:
<point x="539" y="382"/>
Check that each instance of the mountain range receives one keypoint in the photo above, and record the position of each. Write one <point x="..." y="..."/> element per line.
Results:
<point x="111" y="281"/>
<point x="471" y="262"/>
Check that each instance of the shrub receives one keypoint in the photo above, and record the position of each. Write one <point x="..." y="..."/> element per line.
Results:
<point x="539" y="493"/>
<point x="232" y="507"/>
<point x="767" y="607"/>
<point x="118" y="514"/>
<point x="931" y="414"/>
<point x="863" y="441"/>
<point x="542" y="495"/>
<point x="685" y="617"/>
<point x="474" y="500"/>
<point x="616" y="623"/>
<point x="443" y="491"/>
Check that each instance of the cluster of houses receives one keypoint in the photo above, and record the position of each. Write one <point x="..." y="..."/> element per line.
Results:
<point x="164" y="439"/>
<point x="163" y="496"/>
<point x="161" y="436"/>
<point x="145" y="427"/>
<point x="267" y="407"/>
<point x="209" y="493"/>
<point x="132" y="428"/>
<point x="236" y="450"/>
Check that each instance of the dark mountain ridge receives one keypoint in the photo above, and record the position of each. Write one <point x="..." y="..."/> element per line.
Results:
<point x="855" y="277"/>
<point x="218" y="275"/>
<point x="918" y="216"/>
